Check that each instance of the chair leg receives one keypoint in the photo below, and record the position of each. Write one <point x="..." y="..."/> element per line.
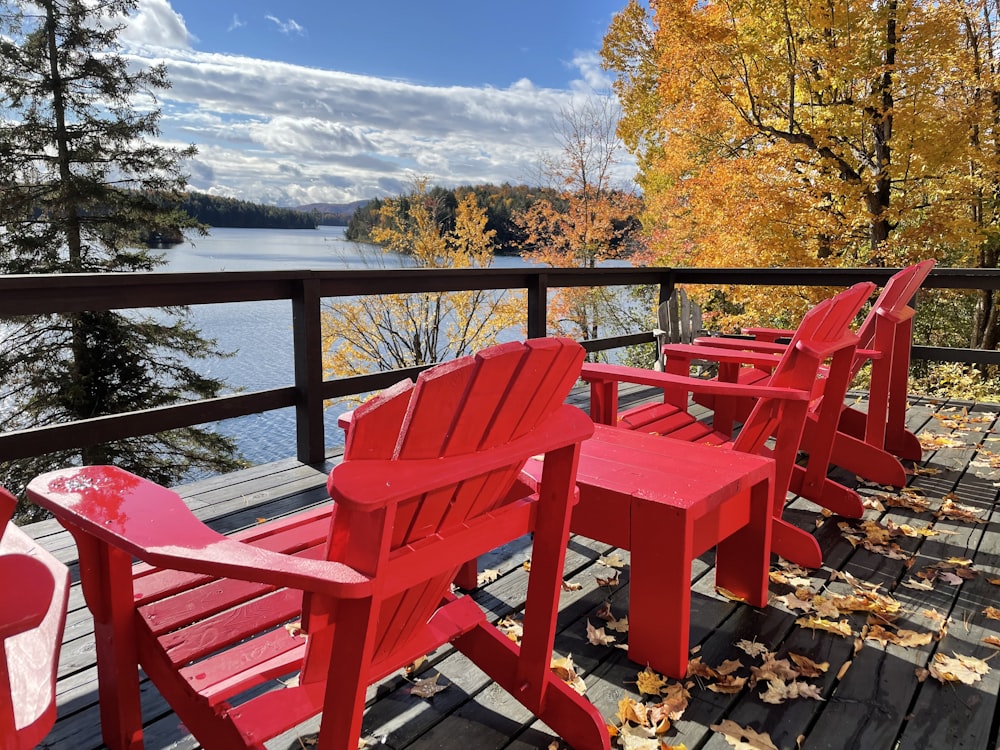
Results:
<point x="868" y="461"/>
<point x="571" y="716"/>
<point x="106" y="577"/>
<point x="829" y="494"/>
<point x="795" y="544"/>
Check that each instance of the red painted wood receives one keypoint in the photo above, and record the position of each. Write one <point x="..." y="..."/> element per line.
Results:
<point x="816" y="362"/>
<point x="431" y="479"/>
<point x="885" y="338"/>
<point x="34" y="587"/>
<point x="668" y="507"/>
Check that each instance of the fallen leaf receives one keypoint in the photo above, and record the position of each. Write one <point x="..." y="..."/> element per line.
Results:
<point x="964" y="669"/>
<point x="567" y="586"/>
<point x="743" y="738"/>
<point x="612" y="581"/>
<point x="649" y="682"/>
<point x="414" y="665"/>
<point x="807" y="667"/>
<point x="779" y="692"/>
<point x="632" y="711"/>
<point x="728" y="684"/>
<point x="992" y="613"/>
<point x="612" y="561"/>
<point x="427" y="687"/>
<point x="752" y="648"/>
<point x="841" y="627"/>
<point x="597" y="636"/>
<point x="638" y="738"/>
<point x="566" y="670"/>
<point x="487" y="576"/>
<point x="295" y="629"/>
<point x="992" y="640"/>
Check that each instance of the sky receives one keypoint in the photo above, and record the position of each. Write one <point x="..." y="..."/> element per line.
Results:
<point x="296" y="102"/>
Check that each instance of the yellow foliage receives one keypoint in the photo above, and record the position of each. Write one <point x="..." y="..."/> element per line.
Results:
<point x="803" y="134"/>
<point x="368" y="334"/>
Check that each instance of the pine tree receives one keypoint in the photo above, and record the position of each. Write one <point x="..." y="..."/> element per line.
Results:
<point x="84" y="186"/>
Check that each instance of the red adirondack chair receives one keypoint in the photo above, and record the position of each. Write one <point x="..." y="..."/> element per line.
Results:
<point x="431" y="478"/>
<point x="816" y="362"/>
<point x="34" y="588"/>
<point x="866" y="441"/>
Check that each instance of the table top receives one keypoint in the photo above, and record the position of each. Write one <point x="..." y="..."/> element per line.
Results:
<point x="618" y="467"/>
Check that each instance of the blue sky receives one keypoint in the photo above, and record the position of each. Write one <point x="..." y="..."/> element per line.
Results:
<point x="299" y="102"/>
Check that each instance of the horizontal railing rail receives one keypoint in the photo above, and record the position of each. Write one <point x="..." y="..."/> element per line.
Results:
<point x="25" y="295"/>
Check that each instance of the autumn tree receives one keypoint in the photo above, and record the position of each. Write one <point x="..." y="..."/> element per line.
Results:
<point x="83" y="184"/>
<point x="804" y="134"/>
<point x="404" y="330"/>
<point x="590" y="219"/>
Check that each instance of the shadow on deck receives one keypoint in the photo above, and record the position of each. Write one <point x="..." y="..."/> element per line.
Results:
<point x="869" y="693"/>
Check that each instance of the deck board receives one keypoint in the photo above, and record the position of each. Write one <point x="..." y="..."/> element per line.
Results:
<point x="877" y="703"/>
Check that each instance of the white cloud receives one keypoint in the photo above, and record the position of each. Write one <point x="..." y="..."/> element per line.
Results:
<point x="236" y="23"/>
<point x="156" y="24"/>
<point x="288" y="134"/>
<point x="287" y="27"/>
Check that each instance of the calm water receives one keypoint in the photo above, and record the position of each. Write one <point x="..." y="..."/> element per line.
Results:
<point x="259" y="334"/>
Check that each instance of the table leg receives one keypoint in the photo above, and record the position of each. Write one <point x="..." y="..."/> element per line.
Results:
<point x="743" y="559"/>
<point x="660" y="588"/>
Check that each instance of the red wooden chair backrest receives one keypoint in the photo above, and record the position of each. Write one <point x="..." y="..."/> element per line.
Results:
<point x="822" y="335"/>
<point x="893" y="300"/>
<point x="463" y="407"/>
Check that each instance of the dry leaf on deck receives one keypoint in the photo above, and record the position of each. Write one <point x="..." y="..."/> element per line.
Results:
<point x="566" y="670"/>
<point x="612" y="561"/>
<point x="779" y="692"/>
<point x="649" y="682"/>
<point x="597" y="636"/>
<point x="807" y="667"/>
<point x="992" y="640"/>
<point x="631" y="711"/>
<point x="841" y="627"/>
<point x="728" y="684"/>
<point x="427" y="687"/>
<point x="964" y="669"/>
<point x="612" y="581"/>
<point x="743" y="738"/>
<point x="992" y="613"/>
<point x="487" y="576"/>
<point x="567" y="586"/>
<point x="752" y="648"/>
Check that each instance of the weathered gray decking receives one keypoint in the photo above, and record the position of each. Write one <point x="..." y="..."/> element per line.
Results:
<point x="876" y="703"/>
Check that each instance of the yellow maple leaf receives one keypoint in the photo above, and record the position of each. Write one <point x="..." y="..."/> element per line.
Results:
<point x="649" y="682"/>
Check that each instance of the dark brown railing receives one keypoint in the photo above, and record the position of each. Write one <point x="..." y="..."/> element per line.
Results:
<point x="40" y="294"/>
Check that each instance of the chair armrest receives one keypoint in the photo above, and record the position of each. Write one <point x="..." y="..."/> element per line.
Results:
<point x="593" y="373"/>
<point x="769" y="335"/>
<point x="155" y="525"/>
<point x="750" y="345"/>
<point x="721" y="355"/>
<point x="373" y="483"/>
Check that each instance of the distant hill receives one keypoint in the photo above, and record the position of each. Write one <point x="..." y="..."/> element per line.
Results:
<point x="336" y="214"/>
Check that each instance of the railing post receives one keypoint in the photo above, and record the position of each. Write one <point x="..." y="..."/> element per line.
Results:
<point x="666" y="287"/>
<point x="308" y="338"/>
<point x="538" y="292"/>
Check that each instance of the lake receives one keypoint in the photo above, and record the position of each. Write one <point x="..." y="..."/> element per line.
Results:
<point x="259" y="334"/>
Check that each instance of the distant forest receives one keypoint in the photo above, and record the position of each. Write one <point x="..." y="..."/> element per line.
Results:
<point x="217" y="211"/>
<point x="501" y="203"/>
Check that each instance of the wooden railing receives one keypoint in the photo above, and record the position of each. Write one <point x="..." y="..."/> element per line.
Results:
<point x="40" y="294"/>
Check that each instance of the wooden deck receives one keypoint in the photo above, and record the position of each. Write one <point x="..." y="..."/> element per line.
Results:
<point x="871" y="694"/>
